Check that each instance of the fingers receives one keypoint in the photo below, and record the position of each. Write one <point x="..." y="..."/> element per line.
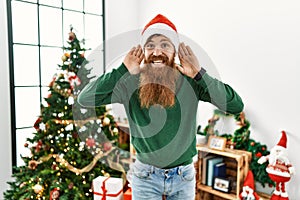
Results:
<point x="184" y="50"/>
<point x="137" y="51"/>
<point x="180" y="68"/>
<point x="189" y="50"/>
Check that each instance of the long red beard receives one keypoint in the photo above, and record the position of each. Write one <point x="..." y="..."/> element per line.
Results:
<point x="158" y="85"/>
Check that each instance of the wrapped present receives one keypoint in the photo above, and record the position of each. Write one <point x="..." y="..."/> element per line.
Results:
<point x="108" y="188"/>
<point x="127" y="194"/>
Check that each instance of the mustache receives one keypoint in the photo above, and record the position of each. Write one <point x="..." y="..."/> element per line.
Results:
<point x="153" y="58"/>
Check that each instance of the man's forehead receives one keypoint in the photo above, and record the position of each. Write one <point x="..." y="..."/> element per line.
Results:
<point x="158" y="37"/>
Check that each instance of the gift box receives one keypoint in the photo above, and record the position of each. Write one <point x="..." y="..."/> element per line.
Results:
<point x="108" y="188"/>
<point x="127" y="194"/>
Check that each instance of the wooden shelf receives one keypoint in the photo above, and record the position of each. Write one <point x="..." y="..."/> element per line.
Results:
<point x="242" y="159"/>
<point x="210" y="190"/>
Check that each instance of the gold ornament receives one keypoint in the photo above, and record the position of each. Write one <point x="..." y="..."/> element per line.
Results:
<point x="64" y="58"/>
<point x="115" y="131"/>
<point x="38" y="188"/>
<point x="106" y="121"/>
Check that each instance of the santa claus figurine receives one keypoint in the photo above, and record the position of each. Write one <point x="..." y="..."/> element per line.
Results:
<point x="248" y="192"/>
<point x="279" y="168"/>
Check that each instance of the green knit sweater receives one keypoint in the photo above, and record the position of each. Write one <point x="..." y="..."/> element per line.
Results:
<point x="163" y="137"/>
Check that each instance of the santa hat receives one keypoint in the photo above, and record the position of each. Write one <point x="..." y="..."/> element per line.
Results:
<point x="248" y="187"/>
<point x="282" y="142"/>
<point x="160" y="25"/>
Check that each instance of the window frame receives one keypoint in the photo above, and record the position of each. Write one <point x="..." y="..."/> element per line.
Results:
<point x="11" y="62"/>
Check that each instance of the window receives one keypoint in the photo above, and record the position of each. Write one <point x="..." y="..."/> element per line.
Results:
<point x="38" y="29"/>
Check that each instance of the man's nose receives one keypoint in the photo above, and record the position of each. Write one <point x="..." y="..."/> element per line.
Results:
<point x="157" y="51"/>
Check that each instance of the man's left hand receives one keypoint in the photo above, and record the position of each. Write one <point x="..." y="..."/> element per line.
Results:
<point x="189" y="62"/>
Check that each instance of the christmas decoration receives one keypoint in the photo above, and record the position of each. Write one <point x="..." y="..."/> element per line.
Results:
<point x="160" y="24"/>
<point x="240" y="139"/>
<point x="279" y="168"/>
<point x="37" y="188"/>
<point x="54" y="194"/>
<point x="248" y="192"/>
<point x="108" y="188"/>
<point x="68" y="152"/>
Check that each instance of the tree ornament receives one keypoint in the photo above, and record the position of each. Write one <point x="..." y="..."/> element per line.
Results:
<point x="106" y="121"/>
<point x="32" y="164"/>
<point x="54" y="194"/>
<point x="37" y="123"/>
<point x="64" y="58"/>
<point x="107" y="146"/>
<point x="67" y="54"/>
<point x="72" y="35"/>
<point x="258" y="154"/>
<point x="70" y="186"/>
<point x="37" y="188"/>
<point x="279" y="168"/>
<point x="22" y="184"/>
<point x="115" y="130"/>
<point x="90" y="142"/>
<point x="54" y="167"/>
<point x="39" y="146"/>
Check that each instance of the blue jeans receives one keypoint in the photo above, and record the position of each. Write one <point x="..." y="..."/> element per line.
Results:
<point x="151" y="183"/>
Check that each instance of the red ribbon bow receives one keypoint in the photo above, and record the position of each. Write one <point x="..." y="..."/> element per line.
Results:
<point x="104" y="191"/>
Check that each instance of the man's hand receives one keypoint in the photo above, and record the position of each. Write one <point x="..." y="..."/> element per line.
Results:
<point x="133" y="59"/>
<point x="189" y="62"/>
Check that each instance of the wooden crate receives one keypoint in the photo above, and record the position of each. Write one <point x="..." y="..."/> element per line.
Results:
<point x="241" y="165"/>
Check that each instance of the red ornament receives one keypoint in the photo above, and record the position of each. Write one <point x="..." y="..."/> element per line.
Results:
<point x="75" y="135"/>
<point x="107" y="146"/>
<point x="70" y="186"/>
<point x="72" y="36"/>
<point x="258" y="155"/>
<point x="38" y="146"/>
<point x="54" y="167"/>
<point x="263" y="148"/>
<point x="54" y="194"/>
<point x="90" y="142"/>
<point x="37" y="123"/>
<point x="252" y="144"/>
<point x="52" y="82"/>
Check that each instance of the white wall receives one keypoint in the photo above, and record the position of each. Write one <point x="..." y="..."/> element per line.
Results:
<point x="5" y="142"/>
<point x="255" y="47"/>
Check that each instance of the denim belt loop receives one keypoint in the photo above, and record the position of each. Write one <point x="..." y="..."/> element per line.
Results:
<point x="179" y="170"/>
<point x="152" y="170"/>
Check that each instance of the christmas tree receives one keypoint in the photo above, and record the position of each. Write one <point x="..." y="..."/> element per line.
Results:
<point x="240" y="139"/>
<point x="67" y="154"/>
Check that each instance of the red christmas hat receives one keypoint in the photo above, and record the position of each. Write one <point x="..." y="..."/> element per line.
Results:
<point x="249" y="185"/>
<point x="160" y="25"/>
<point x="249" y="180"/>
<point x="283" y="139"/>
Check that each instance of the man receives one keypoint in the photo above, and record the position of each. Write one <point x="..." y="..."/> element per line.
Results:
<point x="161" y="100"/>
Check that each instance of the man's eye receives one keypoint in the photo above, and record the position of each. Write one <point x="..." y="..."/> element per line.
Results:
<point x="165" y="45"/>
<point x="150" y="46"/>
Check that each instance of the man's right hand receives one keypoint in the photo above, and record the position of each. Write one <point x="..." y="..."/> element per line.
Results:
<point x="133" y="59"/>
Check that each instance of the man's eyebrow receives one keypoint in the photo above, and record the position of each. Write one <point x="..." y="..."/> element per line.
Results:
<point x="165" y="40"/>
<point x="162" y="40"/>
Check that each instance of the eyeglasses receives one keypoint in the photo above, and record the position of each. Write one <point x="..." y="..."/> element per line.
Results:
<point x="164" y="46"/>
